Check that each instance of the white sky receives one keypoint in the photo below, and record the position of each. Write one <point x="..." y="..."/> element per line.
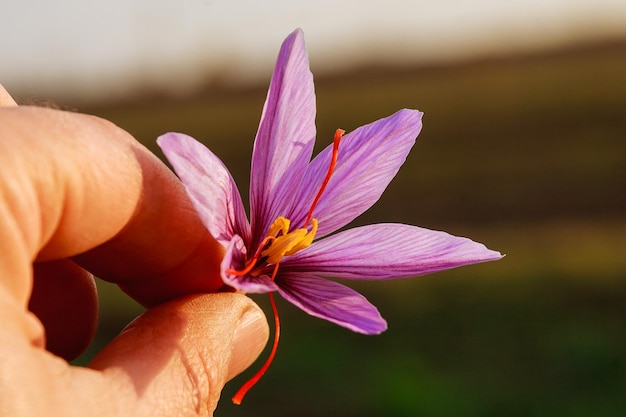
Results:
<point x="111" y="48"/>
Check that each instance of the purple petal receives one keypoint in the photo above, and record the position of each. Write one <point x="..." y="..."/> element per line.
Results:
<point x="369" y="158"/>
<point x="331" y="301"/>
<point x="234" y="259"/>
<point x="285" y="139"/>
<point x="386" y="251"/>
<point x="209" y="185"/>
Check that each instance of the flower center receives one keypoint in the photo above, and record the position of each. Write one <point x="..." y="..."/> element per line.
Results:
<point x="278" y="243"/>
<point x="284" y="242"/>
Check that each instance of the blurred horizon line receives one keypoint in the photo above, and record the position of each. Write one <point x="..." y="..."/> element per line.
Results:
<point x="222" y="81"/>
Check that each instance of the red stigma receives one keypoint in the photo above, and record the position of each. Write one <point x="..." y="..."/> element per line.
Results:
<point x="333" y="161"/>
<point x="252" y="262"/>
<point x="241" y="393"/>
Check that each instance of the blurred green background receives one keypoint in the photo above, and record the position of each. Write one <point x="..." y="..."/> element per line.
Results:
<point x="524" y="153"/>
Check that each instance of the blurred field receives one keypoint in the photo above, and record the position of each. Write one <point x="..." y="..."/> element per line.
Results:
<point x="525" y="154"/>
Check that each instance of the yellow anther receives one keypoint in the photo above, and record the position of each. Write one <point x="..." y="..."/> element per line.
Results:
<point x="280" y="226"/>
<point x="306" y="240"/>
<point x="287" y="243"/>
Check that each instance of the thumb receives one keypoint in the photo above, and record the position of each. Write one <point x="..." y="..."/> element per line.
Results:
<point x="176" y="358"/>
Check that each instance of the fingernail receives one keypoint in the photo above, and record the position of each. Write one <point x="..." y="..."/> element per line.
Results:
<point x="251" y="335"/>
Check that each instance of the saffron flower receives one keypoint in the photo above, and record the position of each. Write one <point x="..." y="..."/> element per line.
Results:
<point x="296" y="204"/>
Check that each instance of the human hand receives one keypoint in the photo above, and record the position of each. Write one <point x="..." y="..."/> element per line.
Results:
<point x="76" y="190"/>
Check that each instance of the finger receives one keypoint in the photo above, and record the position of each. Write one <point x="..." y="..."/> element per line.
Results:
<point x="163" y="242"/>
<point x="64" y="298"/>
<point x="173" y="360"/>
<point x="78" y="181"/>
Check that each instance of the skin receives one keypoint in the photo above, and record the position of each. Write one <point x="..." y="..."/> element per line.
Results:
<point x="79" y="195"/>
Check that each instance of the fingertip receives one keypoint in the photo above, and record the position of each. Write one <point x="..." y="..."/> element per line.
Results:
<point x="251" y="335"/>
<point x="198" y="272"/>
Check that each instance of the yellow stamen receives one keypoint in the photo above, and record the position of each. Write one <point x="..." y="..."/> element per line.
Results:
<point x="280" y="226"/>
<point x="306" y="240"/>
<point x="287" y="243"/>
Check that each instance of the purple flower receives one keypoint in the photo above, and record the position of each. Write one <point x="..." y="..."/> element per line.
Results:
<point x="296" y="204"/>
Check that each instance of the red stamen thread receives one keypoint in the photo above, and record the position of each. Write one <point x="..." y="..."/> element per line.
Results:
<point x="333" y="161"/>
<point x="238" y="397"/>
<point x="252" y="263"/>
